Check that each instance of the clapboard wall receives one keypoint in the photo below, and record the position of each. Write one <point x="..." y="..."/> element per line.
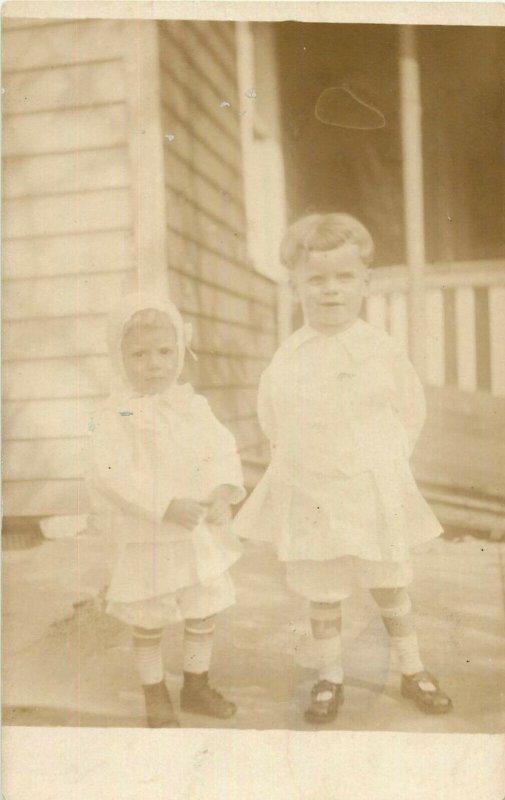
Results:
<point x="231" y="307"/>
<point x="67" y="226"/>
<point x="76" y="166"/>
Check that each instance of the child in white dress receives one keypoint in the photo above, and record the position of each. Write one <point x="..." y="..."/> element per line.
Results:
<point x="162" y="476"/>
<point x="342" y="408"/>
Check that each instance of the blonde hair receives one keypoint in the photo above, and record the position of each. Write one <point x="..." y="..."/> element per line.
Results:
<point x="322" y="232"/>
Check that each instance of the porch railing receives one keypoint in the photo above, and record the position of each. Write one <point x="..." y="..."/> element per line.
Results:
<point x="465" y="321"/>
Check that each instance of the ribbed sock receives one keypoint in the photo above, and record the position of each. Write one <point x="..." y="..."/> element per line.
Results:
<point x="326" y="624"/>
<point x="148" y="655"/>
<point x="198" y="642"/>
<point x="334" y="671"/>
<point x="399" y="623"/>
<point x="407" y="651"/>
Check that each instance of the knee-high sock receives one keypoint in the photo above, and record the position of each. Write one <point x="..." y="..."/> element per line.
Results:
<point x="326" y="624"/>
<point x="399" y="622"/>
<point x="147" y="649"/>
<point x="198" y="642"/>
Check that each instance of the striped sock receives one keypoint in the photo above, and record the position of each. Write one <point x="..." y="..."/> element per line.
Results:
<point x="326" y="624"/>
<point x="399" y="622"/>
<point x="148" y="656"/>
<point x="334" y="670"/>
<point x="198" y="643"/>
<point x="407" y="652"/>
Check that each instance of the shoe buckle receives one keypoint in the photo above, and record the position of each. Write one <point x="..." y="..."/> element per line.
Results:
<point x="427" y="686"/>
<point x="324" y="696"/>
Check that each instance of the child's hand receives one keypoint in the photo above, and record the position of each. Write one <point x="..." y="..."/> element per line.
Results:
<point x="219" y="512"/>
<point x="187" y="513"/>
<point x="218" y="504"/>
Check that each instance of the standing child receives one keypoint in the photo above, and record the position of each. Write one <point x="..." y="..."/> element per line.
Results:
<point x="342" y="408"/>
<point x="165" y="472"/>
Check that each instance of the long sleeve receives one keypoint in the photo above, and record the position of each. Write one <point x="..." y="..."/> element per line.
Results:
<point x="223" y="461"/>
<point x="123" y="474"/>
<point x="409" y="399"/>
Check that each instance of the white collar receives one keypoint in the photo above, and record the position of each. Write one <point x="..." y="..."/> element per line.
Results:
<point x="360" y="339"/>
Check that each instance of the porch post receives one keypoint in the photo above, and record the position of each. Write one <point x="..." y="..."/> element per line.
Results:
<point x="142" y="73"/>
<point x="262" y="156"/>
<point x="413" y="192"/>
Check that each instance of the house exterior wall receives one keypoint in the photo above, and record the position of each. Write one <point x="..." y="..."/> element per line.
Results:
<point x="231" y="307"/>
<point x="77" y="204"/>
<point x="67" y="225"/>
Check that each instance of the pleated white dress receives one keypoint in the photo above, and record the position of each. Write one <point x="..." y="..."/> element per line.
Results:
<point x="342" y="414"/>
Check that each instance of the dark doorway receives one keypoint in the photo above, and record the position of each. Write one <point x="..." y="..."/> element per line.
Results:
<point x="339" y="165"/>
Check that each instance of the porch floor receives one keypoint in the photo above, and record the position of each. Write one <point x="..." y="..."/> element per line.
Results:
<point x="66" y="668"/>
<point x="462" y="445"/>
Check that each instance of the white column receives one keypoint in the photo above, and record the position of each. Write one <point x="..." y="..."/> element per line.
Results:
<point x="410" y="92"/>
<point x="142" y="72"/>
<point x="263" y="162"/>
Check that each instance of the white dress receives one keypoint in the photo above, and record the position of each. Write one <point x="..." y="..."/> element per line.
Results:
<point x="342" y="414"/>
<point x="143" y="455"/>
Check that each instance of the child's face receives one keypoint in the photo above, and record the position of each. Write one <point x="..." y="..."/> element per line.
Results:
<point x="331" y="285"/>
<point x="150" y="358"/>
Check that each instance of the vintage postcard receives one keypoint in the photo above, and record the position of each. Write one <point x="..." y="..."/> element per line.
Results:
<point x="253" y="337"/>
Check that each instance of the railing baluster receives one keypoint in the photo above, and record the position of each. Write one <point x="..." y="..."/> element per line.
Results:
<point x="482" y="335"/>
<point x="465" y="321"/>
<point x="450" y="354"/>
<point x="435" y="335"/>
<point x="466" y="346"/>
<point x="398" y="315"/>
<point x="497" y="339"/>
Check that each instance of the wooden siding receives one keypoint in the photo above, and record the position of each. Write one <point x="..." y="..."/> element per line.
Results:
<point x="68" y="246"/>
<point x="74" y="235"/>
<point x="231" y="307"/>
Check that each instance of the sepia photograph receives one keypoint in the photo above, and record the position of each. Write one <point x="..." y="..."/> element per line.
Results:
<point x="253" y="336"/>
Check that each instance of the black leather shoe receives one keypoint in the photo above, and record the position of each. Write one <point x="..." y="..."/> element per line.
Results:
<point x="423" y="688"/>
<point x="159" y="710"/>
<point x="325" y="700"/>
<point x="198" y="697"/>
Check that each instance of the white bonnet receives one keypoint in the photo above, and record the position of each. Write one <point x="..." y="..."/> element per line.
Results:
<point x="126" y="308"/>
